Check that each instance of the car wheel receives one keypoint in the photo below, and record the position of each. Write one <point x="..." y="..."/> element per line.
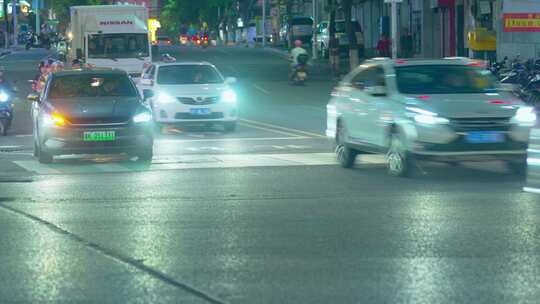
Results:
<point x="345" y="155"/>
<point x="229" y="126"/>
<point x="35" y="152"/>
<point x="399" y="162"/>
<point x="145" y="155"/>
<point x="518" y="167"/>
<point x="43" y="156"/>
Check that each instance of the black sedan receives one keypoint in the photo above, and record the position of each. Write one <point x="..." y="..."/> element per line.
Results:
<point x="91" y="111"/>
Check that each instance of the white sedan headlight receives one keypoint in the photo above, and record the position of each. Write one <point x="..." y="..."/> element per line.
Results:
<point x="525" y="116"/>
<point x="142" y="117"/>
<point x="426" y="117"/>
<point x="165" y="98"/>
<point x="228" y="96"/>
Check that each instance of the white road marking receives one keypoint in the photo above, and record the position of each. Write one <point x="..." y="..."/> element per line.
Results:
<point x="261" y="89"/>
<point x="180" y="162"/>
<point x="267" y="129"/>
<point x="258" y="123"/>
<point x="23" y="135"/>
<point x="238" y="139"/>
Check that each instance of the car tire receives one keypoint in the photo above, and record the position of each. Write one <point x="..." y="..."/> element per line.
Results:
<point x="43" y="156"/>
<point x="229" y="126"/>
<point x="145" y="155"/>
<point x="518" y="167"/>
<point x="36" y="151"/>
<point x="400" y="162"/>
<point x="345" y="155"/>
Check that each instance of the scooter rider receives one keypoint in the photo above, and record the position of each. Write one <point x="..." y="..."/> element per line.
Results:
<point x="295" y="52"/>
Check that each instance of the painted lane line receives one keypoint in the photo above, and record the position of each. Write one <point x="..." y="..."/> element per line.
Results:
<point x="261" y="89"/>
<point x="117" y="256"/>
<point x="165" y="141"/>
<point x="258" y="123"/>
<point x="24" y="135"/>
<point x="272" y="130"/>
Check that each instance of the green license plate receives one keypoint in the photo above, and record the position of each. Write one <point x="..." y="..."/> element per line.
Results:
<point x="99" y="136"/>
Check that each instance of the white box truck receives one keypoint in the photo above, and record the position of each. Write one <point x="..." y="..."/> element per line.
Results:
<point x="114" y="36"/>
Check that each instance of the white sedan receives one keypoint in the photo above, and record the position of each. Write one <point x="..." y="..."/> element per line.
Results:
<point x="189" y="93"/>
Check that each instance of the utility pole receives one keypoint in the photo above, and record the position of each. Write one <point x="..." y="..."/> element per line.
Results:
<point x="394" y="21"/>
<point x="38" y="26"/>
<point x="6" y="24"/>
<point x="314" y="36"/>
<point x="14" y="14"/>
<point x="263" y="23"/>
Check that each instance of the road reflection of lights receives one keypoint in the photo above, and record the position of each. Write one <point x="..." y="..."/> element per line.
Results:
<point x="521" y="265"/>
<point x="425" y="272"/>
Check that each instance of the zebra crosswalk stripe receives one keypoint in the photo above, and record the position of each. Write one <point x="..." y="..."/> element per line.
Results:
<point x="180" y="162"/>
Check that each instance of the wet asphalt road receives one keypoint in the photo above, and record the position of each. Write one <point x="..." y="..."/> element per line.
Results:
<point x="262" y="215"/>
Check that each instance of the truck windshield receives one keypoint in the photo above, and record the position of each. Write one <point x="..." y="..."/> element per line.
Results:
<point x="118" y="45"/>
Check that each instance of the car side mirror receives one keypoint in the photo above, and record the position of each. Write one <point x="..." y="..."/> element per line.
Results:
<point x="148" y="94"/>
<point x="230" y="80"/>
<point x="375" y="91"/>
<point x="33" y="97"/>
<point x="147" y="82"/>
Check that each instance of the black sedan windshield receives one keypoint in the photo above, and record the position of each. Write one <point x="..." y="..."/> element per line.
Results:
<point x="70" y="86"/>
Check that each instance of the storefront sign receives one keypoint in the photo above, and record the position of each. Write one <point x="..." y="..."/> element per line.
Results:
<point x="521" y="22"/>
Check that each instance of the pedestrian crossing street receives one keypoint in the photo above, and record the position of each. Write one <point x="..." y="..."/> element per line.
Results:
<point x="119" y="164"/>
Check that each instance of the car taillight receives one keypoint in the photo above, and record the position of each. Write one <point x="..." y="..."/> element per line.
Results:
<point x="500" y="102"/>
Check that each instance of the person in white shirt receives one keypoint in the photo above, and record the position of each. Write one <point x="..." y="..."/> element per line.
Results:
<point x="295" y="52"/>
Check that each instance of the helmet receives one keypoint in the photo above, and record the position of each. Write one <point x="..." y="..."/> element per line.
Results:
<point x="297" y="43"/>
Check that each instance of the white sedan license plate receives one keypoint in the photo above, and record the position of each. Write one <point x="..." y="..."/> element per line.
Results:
<point x="200" y="111"/>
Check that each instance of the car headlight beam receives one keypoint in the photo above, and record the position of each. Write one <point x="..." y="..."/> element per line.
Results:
<point x="525" y="116"/>
<point x="425" y="117"/>
<point x="228" y="96"/>
<point x="4" y="96"/>
<point x="165" y="98"/>
<point x="142" y="117"/>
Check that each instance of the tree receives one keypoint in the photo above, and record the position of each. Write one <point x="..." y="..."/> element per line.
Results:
<point x="61" y="7"/>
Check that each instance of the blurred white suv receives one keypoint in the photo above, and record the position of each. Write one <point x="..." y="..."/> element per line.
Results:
<point x="447" y="110"/>
<point x="189" y="93"/>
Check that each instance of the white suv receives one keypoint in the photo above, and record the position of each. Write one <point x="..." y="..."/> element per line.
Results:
<point x="189" y="93"/>
<point x="447" y="110"/>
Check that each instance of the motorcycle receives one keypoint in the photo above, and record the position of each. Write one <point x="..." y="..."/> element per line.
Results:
<point x="6" y="112"/>
<point x="299" y="73"/>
